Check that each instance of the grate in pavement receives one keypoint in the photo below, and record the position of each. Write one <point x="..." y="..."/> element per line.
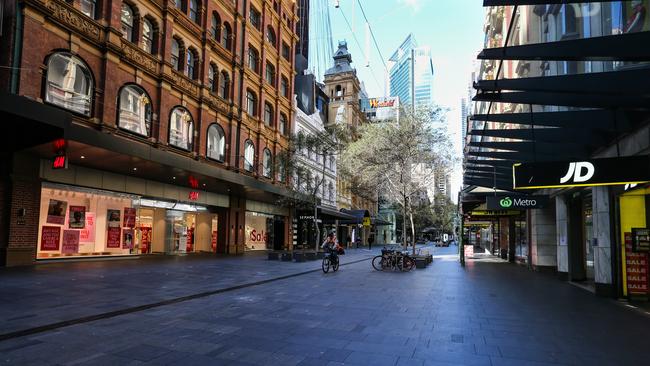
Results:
<point x="457" y="338"/>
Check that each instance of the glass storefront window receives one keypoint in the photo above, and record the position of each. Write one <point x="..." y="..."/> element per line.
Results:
<point x="82" y="222"/>
<point x="259" y="231"/>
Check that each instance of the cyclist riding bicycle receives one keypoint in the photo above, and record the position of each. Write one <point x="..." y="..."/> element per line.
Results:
<point x="331" y="245"/>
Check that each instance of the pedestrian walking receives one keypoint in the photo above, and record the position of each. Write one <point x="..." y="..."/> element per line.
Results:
<point x="370" y="240"/>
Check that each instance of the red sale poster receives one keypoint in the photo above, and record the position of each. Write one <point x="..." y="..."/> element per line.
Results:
<point x="50" y="237"/>
<point x="214" y="241"/>
<point x="113" y="238"/>
<point x="190" y="240"/>
<point x="636" y="269"/>
<point x="145" y="240"/>
<point x="129" y="217"/>
<point x="87" y="234"/>
<point x="70" y="242"/>
<point x="127" y="242"/>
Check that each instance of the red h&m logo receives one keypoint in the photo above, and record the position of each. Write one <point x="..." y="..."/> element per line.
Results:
<point x="194" y="195"/>
<point x="59" y="145"/>
<point x="60" y="162"/>
<point x="194" y="183"/>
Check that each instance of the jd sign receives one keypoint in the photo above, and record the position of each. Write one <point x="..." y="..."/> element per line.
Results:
<point x="594" y="172"/>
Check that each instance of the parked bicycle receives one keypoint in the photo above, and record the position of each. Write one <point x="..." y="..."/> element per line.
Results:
<point x="331" y="259"/>
<point x="393" y="260"/>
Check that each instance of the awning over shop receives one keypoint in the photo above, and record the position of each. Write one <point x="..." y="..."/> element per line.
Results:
<point x="26" y="117"/>
<point x="329" y="215"/>
<point x="358" y="215"/>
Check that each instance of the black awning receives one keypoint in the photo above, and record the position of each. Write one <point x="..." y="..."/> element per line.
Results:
<point x="619" y="83"/>
<point x="358" y="216"/>
<point x="533" y="2"/>
<point x="332" y="214"/>
<point x="620" y="47"/>
<point x="35" y="123"/>
<point x="566" y="99"/>
<point x="598" y="118"/>
<point x="557" y="135"/>
<point x="579" y="148"/>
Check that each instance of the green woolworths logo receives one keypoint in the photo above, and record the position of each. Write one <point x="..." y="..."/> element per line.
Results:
<point x="506" y="202"/>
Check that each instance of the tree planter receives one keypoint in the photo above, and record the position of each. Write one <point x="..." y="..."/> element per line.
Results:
<point x="420" y="263"/>
<point x="286" y="257"/>
<point x="310" y="256"/>
<point x="299" y="257"/>
<point x="274" y="256"/>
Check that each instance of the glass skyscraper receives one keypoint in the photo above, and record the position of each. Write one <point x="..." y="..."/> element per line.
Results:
<point x="400" y="73"/>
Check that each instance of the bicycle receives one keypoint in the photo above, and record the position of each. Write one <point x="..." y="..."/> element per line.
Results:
<point x="391" y="259"/>
<point x="330" y="259"/>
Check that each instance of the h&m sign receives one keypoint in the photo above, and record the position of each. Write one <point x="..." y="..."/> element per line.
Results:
<point x="594" y="172"/>
<point x="516" y="202"/>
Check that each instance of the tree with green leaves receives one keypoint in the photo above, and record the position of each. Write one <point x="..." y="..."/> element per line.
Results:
<point x="397" y="158"/>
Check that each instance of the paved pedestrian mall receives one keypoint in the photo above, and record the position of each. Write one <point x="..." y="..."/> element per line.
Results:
<point x="248" y="310"/>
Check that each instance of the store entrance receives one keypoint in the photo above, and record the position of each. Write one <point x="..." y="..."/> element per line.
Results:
<point x="580" y="236"/>
<point x="180" y="232"/>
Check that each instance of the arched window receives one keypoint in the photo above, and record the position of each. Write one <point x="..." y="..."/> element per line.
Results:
<point x="69" y="83"/>
<point x="267" y="162"/>
<point x="226" y="36"/>
<point x="253" y="59"/>
<point x="339" y="91"/>
<point x="331" y="191"/>
<point x="268" y="114"/>
<point x="284" y="87"/>
<point x="191" y="63"/>
<point x="249" y="155"/>
<point x="224" y="85"/>
<point x="127" y="22"/>
<point x="89" y="7"/>
<point x="176" y="53"/>
<point x="281" y="172"/>
<point x="270" y="36"/>
<point x="194" y="11"/>
<point x="216" y="143"/>
<point x="135" y="110"/>
<point x="270" y="73"/>
<point x="181" y="128"/>
<point x="212" y="73"/>
<point x="147" y="36"/>
<point x="283" y="124"/>
<point x="251" y="103"/>
<point x="215" y="28"/>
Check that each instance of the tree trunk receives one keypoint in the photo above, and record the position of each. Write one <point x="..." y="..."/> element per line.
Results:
<point x="412" y="230"/>
<point x="404" y="243"/>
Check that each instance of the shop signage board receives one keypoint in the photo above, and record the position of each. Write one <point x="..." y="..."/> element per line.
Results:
<point x="56" y="212"/>
<point x="594" y="172"/>
<point x="495" y="213"/>
<point x="145" y="239"/>
<point x="366" y="221"/>
<point x="469" y="251"/>
<point x="70" y="242"/>
<point x="87" y="234"/>
<point x="641" y="240"/>
<point x="636" y="269"/>
<point x="77" y="218"/>
<point x="113" y="237"/>
<point x="516" y="202"/>
<point x="129" y="217"/>
<point x="113" y="218"/>
<point x="50" y="237"/>
<point x="127" y="239"/>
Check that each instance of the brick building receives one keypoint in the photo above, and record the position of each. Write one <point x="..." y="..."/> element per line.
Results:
<point x="169" y="113"/>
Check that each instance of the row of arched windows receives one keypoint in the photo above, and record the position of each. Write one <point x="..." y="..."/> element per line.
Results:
<point x="69" y="85"/>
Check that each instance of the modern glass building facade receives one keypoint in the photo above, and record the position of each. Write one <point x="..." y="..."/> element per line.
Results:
<point x="401" y="71"/>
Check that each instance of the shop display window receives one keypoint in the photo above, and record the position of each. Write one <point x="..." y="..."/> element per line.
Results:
<point x="259" y="231"/>
<point x="80" y="222"/>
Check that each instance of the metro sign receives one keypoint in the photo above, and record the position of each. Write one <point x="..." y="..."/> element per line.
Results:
<point x="593" y="172"/>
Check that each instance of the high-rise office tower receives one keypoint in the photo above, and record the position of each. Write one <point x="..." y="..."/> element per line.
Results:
<point x="403" y="71"/>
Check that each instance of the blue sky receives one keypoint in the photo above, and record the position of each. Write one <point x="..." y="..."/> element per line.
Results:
<point x="452" y="28"/>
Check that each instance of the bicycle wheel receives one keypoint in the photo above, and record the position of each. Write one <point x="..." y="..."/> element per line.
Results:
<point x="399" y="263"/>
<point x="335" y="265"/>
<point x="378" y="263"/>
<point x="409" y="263"/>
<point x="326" y="265"/>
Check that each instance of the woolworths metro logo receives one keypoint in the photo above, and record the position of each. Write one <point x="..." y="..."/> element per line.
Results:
<point x="506" y="202"/>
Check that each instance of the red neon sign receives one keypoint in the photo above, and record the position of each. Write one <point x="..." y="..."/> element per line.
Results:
<point x="59" y="162"/>
<point x="194" y="183"/>
<point x="194" y="195"/>
<point x="59" y="145"/>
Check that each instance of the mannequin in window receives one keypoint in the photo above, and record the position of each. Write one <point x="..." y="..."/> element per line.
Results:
<point x="636" y="18"/>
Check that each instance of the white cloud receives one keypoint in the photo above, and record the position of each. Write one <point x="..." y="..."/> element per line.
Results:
<point x="414" y="5"/>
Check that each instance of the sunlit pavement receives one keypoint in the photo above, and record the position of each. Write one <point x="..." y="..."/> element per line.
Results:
<point x="487" y="313"/>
